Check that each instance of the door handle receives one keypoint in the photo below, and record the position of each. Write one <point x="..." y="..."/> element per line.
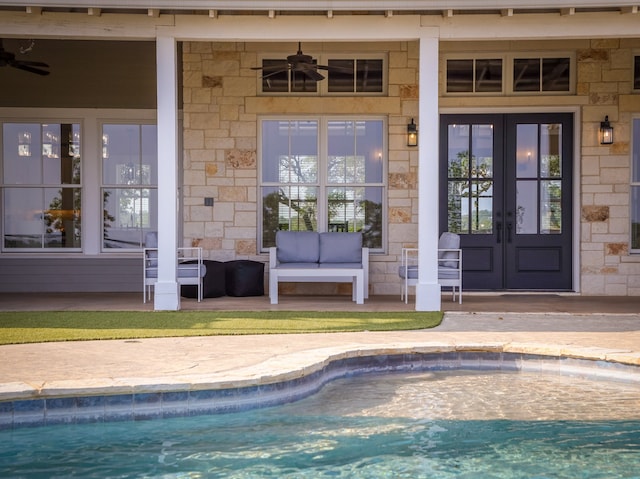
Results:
<point x="499" y="232"/>
<point x="509" y="227"/>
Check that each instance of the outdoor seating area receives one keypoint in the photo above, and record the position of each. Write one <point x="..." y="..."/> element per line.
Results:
<point x="308" y="256"/>
<point x="190" y="271"/>
<point x="449" y="266"/>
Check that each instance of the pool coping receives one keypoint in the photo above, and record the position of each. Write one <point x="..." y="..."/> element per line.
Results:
<point x="288" y="377"/>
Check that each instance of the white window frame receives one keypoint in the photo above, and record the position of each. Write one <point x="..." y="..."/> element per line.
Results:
<point x="90" y="121"/>
<point x="322" y="183"/>
<point x="322" y="85"/>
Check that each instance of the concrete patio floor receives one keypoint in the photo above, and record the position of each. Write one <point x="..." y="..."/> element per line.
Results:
<point x="602" y="328"/>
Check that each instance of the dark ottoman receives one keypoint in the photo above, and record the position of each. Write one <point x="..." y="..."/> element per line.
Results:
<point x="245" y="278"/>
<point x="213" y="283"/>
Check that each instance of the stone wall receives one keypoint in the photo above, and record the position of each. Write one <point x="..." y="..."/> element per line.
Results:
<point x="605" y="75"/>
<point x="221" y="110"/>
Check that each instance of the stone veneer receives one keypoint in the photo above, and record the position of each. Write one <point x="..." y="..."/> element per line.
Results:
<point x="221" y="109"/>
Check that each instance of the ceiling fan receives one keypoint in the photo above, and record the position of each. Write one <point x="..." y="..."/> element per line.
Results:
<point x="299" y="63"/>
<point x="8" y="59"/>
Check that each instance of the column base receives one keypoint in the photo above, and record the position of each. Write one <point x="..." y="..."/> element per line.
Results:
<point x="428" y="297"/>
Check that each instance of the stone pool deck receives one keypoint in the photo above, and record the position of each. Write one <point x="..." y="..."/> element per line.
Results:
<point x="48" y="370"/>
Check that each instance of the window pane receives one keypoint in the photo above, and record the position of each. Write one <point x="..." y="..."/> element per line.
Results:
<point x="275" y="76"/>
<point x="302" y="83"/>
<point x="22" y="159"/>
<point x="458" y="151"/>
<point x="635" y="217"/>
<point x="340" y="75"/>
<point x="42" y="218"/>
<point x="149" y="160"/>
<point x="127" y="212"/>
<point x="369" y="76"/>
<point x="355" y="151"/>
<point x="482" y="207"/>
<point x="635" y="167"/>
<point x="290" y="151"/>
<point x="636" y="73"/>
<point x="482" y="151"/>
<point x="526" y="74"/>
<point x="527" y="150"/>
<point x="526" y="207"/>
<point x="489" y="75"/>
<point x="458" y="206"/>
<point x="459" y="76"/>
<point x="121" y="154"/>
<point x="356" y="209"/>
<point x="555" y="74"/>
<point x="551" y="150"/>
<point x="551" y="207"/>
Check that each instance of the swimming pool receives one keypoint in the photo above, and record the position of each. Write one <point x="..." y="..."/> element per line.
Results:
<point x="415" y="424"/>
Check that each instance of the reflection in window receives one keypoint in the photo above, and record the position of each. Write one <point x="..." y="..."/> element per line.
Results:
<point x="541" y="74"/>
<point x="348" y="196"/>
<point x="129" y="177"/>
<point x="539" y="185"/>
<point x="483" y="75"/>
<point x="41" y="210"/>
<point x="470" y="179"/>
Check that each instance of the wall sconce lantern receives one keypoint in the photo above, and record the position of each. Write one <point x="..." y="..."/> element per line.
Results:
<point x="606" y="132"/>
<point x="412" y="134"/>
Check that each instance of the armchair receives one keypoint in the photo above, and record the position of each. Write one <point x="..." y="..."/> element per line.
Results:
<point x="190" y="270"/>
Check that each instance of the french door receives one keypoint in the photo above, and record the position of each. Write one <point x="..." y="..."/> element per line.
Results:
<point x="506" y="189"/>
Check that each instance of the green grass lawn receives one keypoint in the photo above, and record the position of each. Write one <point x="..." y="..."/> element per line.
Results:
<point x="43" y="326"/>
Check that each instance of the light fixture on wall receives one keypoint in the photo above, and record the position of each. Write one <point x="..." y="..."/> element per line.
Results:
<point x="412" y="134"/>
<point x="606" y="132"/>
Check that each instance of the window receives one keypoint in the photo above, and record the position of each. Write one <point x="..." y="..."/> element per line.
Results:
<point x="635" y="188"/>
<point x="41" y="186"/>
<point x="541" y="74"/>
<point x="499" y="74"/>
<point x="324" y="174"/>
<point x="474" y="75"/>
<point x="343" y="75"/>
<point x="129" y="184"/>
<point x="636" y="72"/>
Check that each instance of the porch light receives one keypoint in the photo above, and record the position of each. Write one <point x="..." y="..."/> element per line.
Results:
<point x="606" y="132"/>
<point x="412" y="134"/>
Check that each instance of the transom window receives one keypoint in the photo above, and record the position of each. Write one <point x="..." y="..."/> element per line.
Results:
<point x="494" y="74"/>
<point x="323" y="174"/>
<point x="636" y="72"/>
<point x="41" y="186"/>
<point x="129" y="184"/>
<point x="362" y="74"/>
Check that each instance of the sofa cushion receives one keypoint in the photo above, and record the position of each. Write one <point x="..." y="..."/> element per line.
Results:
<point x="448" y="241"/>
<point x="297" y="246"/>
<point x="340" y="248"/>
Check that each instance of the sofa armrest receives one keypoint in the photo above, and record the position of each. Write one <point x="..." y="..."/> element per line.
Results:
<point x="273" y="257"/>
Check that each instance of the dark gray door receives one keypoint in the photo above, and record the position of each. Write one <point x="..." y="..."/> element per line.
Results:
<point x="506" y="189"/>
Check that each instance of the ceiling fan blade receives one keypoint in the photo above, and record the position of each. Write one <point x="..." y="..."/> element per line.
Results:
<point x="30" y="69"/>
<point x="310" y="71"/>
<point x="31" y="64"/>
<point x="335" y="68"/>
<point x="273" y="73"/>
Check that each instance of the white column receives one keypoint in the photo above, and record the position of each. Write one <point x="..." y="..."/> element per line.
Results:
<point x="167" y="295"/>
<point x="428" y="289"/>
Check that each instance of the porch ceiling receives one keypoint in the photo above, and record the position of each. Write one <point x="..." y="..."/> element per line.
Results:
<point x="446" y="8"/>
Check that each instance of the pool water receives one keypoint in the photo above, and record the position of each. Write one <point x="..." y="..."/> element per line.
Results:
<point x="419" y="425"/>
